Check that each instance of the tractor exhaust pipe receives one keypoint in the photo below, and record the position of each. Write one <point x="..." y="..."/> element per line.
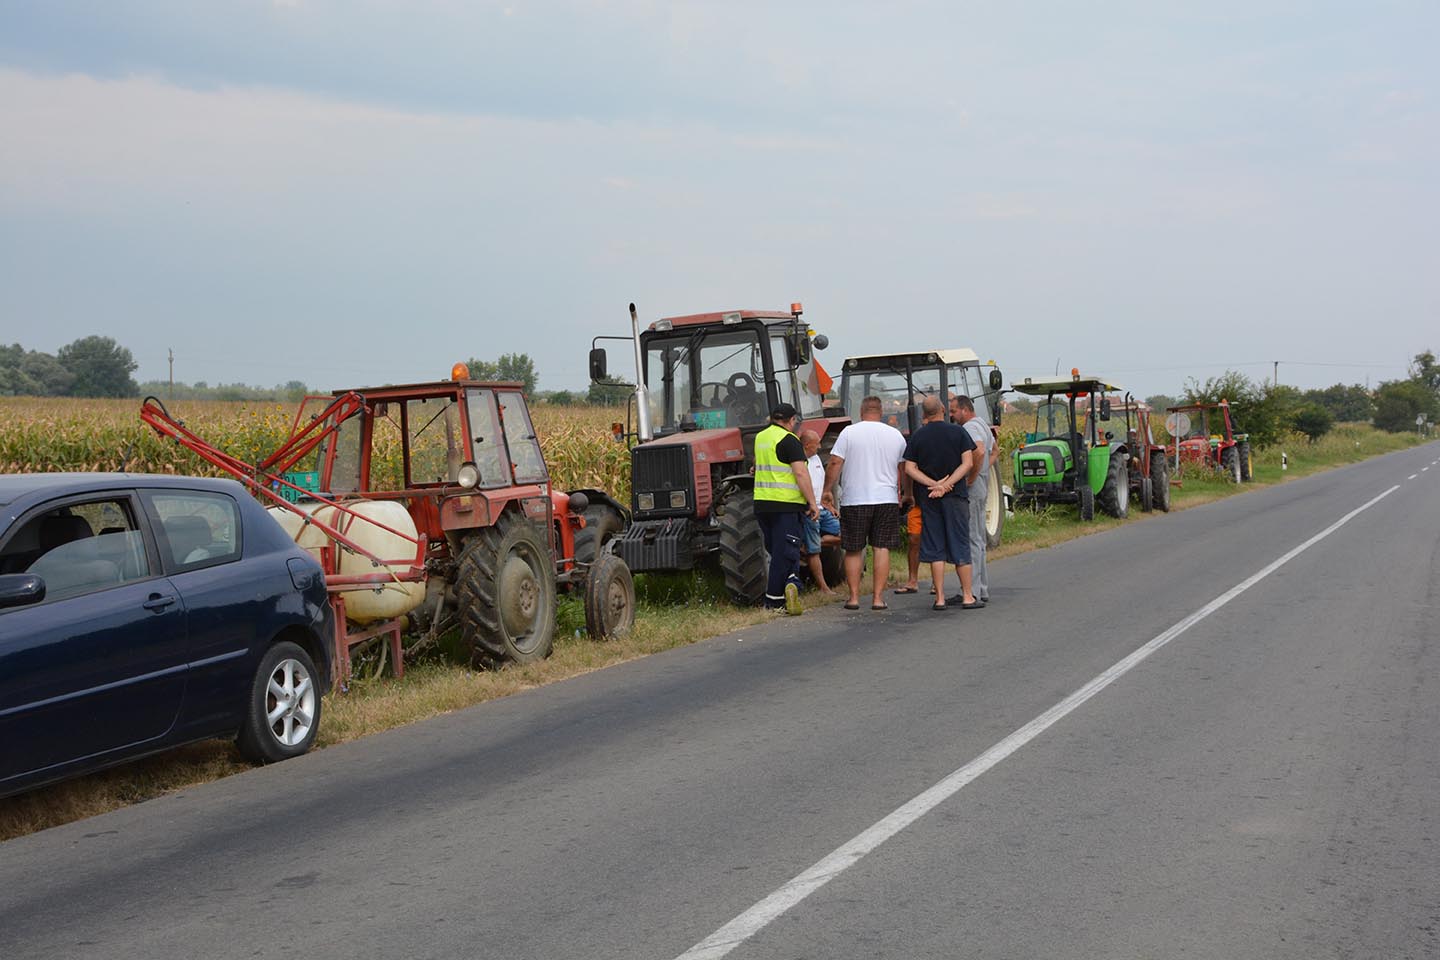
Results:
<point x="642" y="396"/>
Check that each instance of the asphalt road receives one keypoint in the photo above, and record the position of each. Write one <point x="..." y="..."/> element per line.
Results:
<point x="1265" y="784"/>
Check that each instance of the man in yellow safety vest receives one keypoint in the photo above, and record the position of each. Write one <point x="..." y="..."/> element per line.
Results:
<point x="783" y="495"/>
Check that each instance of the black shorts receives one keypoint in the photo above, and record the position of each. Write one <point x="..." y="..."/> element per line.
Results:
<point x="875" y="524"/>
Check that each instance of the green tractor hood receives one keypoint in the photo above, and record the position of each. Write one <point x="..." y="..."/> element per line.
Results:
<point x="1044" y="461"/>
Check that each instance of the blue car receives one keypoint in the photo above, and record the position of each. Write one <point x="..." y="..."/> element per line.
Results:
<point x="141" y="612"/>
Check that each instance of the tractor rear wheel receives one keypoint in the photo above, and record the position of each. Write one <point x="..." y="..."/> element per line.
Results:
<point x="1160" y="482"/>
<point x="1230" y="464"/>
<point x="602" y="523"/>
<point x="1087" y="501"/>
<point x="1247" y="462"/>
<point x="609" y="598"/>
<point x="505" y="583"/>
<point x="994" y="508"/>
<point x="743" y="559"/>
<point x="1115" y="495"/>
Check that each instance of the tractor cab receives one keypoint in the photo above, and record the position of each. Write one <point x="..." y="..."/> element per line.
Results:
<point x="902" y="382"/>
<point x="1203" y="435"/>
<point x="705" y="386"/>
<point x="1073" y="455"/>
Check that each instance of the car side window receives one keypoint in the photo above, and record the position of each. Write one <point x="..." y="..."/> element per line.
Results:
<point x="196" y="529"/>
<point x="79" y="548"/>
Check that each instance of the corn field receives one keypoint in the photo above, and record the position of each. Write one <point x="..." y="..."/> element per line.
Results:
<point x="45" y="435"/>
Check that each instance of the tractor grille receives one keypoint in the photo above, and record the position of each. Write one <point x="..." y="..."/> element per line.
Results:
<point x="661" y="481"/>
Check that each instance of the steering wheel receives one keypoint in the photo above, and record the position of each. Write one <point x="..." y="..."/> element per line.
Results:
<point x="716" y="386"/>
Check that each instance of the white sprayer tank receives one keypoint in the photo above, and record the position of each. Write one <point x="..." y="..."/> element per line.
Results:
<point x="371" y="603"/>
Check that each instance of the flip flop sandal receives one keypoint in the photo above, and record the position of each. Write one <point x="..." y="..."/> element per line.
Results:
<point x="937" y="606"/>
<point x="879" y="606"/>
<point x="906" y="590"/>
<point x="971" y="606"/>
<point x="852" y="606"/>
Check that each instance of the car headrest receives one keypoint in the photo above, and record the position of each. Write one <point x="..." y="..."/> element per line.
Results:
<point x="187" y="534"/>
<point x="58" y="530"/>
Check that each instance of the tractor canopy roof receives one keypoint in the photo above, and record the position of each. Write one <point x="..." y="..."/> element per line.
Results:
<point x="1040" y="386"/>
<point x="397" y="390"/>
<point x="917" y="358"/>
<point x="721" y="318"/>
<point x="1222" y="405"/>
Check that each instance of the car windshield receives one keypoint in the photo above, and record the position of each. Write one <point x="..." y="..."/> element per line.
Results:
<point x="718" y="377"/>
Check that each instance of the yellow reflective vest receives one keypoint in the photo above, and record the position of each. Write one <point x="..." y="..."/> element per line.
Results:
<point x="774" y="480"/>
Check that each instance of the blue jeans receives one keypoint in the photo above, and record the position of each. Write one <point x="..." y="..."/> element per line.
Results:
<point x="782" y="532"/>
<point x="827" y="525"/>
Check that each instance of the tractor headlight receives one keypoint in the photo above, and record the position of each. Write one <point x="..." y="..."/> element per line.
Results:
<point x="645" y="501"/>
<point x="677" y="499"/>
<point x="469" y="475"/>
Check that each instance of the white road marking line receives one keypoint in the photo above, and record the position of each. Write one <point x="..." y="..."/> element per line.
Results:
<point x="1412" y="476"/>
<point x="762" y="914"/>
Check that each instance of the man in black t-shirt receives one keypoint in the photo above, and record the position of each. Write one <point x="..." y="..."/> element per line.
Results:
<point x="937" y="459"/>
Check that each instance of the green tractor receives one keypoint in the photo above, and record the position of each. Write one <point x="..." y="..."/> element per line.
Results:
<point x="1070" y="457"/>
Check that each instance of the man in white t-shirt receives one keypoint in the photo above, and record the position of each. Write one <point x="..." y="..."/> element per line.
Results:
<point x="962" y="411"/>
<point x="867" y="463"/>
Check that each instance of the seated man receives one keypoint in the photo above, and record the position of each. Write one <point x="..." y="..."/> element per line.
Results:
<point x="824" y="532"/>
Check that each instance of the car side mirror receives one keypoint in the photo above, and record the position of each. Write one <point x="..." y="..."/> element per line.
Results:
<point x="1105" y="409"/>
<point x="20" y="590"/>
<point x="598" y="369"/>
<point x="997" y="380"/>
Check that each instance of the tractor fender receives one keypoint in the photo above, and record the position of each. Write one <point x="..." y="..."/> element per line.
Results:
<point x="1097" y="467"/>
<point x="600" y="496"/>
<point x="727" y="486"/>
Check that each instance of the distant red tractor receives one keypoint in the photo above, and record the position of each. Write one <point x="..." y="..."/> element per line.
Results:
<point x="705" y="386"/>
<point x="481" y="537"/>
<point x="1204" y="434"/>
<point x="1149" y="469"/>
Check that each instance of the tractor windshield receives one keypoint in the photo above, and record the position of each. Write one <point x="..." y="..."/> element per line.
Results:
<point x="717" y="377"/>
<point x="1052" y="419"/>
<point x="894" y="391"/>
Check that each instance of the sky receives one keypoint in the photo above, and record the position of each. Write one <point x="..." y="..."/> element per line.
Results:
<point x="352" y="193"/>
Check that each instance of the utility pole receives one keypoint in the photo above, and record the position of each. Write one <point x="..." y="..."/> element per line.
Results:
<point x="171" y="397"/>
<point x="1277" y="373"/>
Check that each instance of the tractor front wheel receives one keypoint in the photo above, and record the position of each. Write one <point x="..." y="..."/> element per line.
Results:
<point x="1160" y="483"/>
<point x="1087" y="502"/>
<point x="1115" y="495"/>
<point x="1247" y="462"/>
<point x="994" y="508"/>
<point x="609" y="598"/>
<point x="505" y="583"/>
<point x="1230" y="464"/>
<point x="743" y="559"/>
<point x="1147" y="495"/>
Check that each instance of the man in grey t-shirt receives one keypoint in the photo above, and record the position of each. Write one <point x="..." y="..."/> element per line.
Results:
<point x="962" y="411"/>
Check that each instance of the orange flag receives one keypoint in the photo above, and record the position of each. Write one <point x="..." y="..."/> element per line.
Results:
<point x="819" y="381"/>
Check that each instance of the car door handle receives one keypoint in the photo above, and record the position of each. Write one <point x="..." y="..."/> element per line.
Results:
<point x="157" y="602"/>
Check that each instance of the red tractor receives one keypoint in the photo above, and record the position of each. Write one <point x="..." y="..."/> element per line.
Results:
<point x="1149" y="470"/>
<point x="705" y="386"/>
<point x="451" y="474"/>
<point x="1203" y="433"/>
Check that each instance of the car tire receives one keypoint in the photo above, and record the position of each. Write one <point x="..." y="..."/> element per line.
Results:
<point x="282" y="714"/>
